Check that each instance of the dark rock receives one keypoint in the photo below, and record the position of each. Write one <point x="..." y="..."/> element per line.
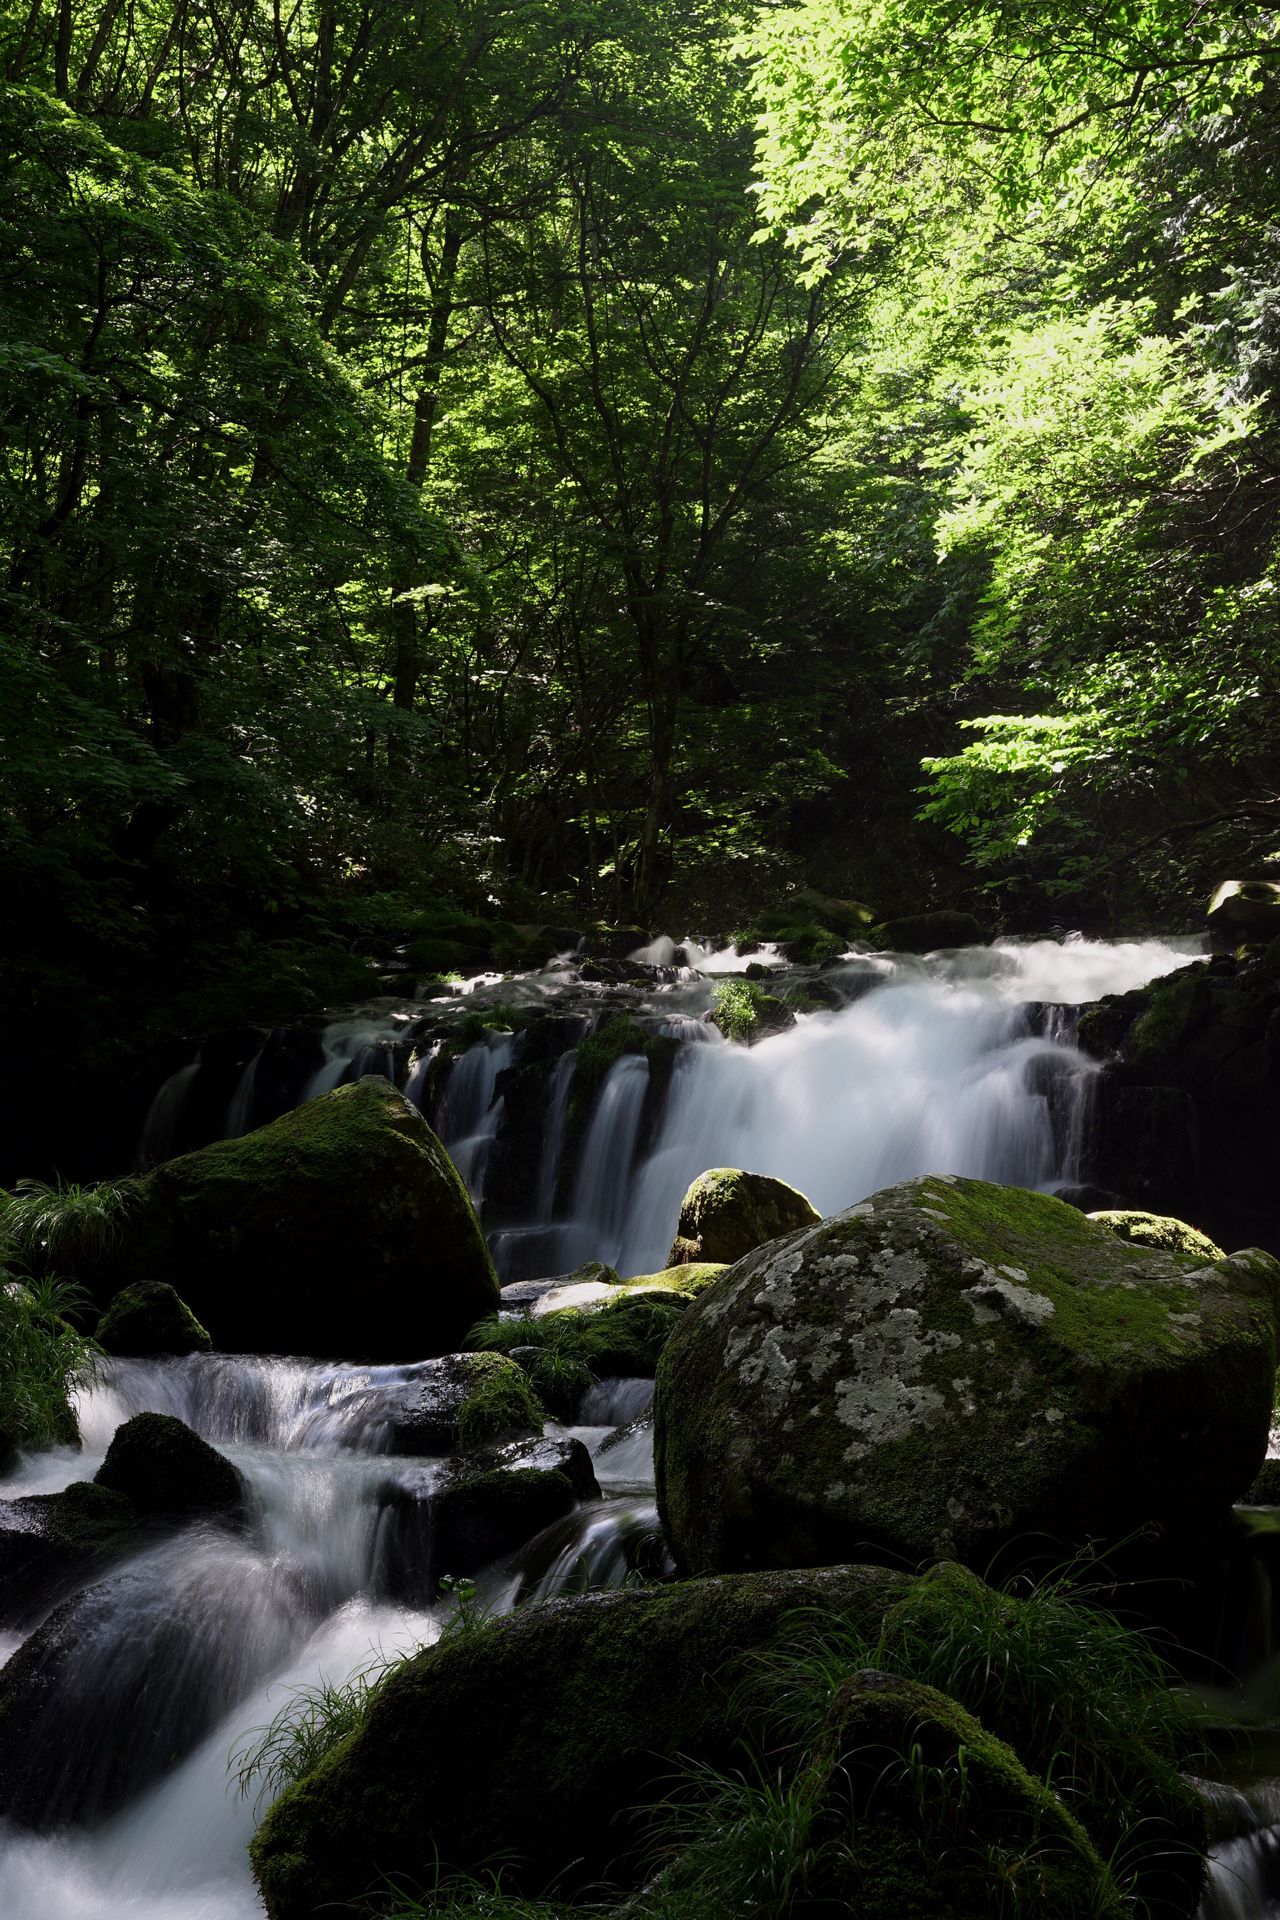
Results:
<point x="545" y="1729"/>
<point x="951" y="1367"/>
<point x="162" y="1467"/>
<point x="928" y="932"/>
<point x="341" y="1229"/>
<point x="726" y="1213"/>
<point x="50" y="1542"/>
<point x="148" y="1318"/>
<point x="1265" y="1490"/>
<point x="462" y="1399"/>
<point x="1246" y="909"/>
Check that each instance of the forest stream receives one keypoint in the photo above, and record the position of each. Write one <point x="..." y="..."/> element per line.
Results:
<point x="961" y="1063"/>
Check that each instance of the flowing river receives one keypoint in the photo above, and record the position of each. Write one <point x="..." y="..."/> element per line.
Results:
<point x="960" y="1063"/>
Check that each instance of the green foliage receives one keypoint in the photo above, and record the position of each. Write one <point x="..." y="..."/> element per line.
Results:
<point x="313" y="1720"/>
<point x="575" y="1345"/>
<point x="56" y="1227"/>
<point x="43" y="1360"/>
<point x="735" y="1006"/>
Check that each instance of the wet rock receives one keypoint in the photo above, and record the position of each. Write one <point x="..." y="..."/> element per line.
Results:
<point x="341" y="1229"/>
<point x="149" y="1318"/>
<point x="51" y="1541"/>
<point x="457" y="1518"/>
<point x="162" y="1467"/>
<point x="950" y="1367"/>
<point x="463" y="1399"/>
<point x="1246" y="909"/>
<point x="546" y="1728"/>
<point x="727" y="1213"/>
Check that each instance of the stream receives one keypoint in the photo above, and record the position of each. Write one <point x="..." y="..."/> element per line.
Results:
<point x="962" y="1062"/>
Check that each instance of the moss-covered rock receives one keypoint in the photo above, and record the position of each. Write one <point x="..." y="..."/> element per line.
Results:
<point x="1158" y="1230"/>
<point x="530" y="1740"/>
<point x="462" y="1400"/>
<point x="950" y="1366"/>
<point x="150" y="1317"/>
<point x="162" y="1467"/>
<point x="727" y="1213"/>
<point x="919" y="1780"/>
<point x="341" y="1229"/>
<point x="927" y="932"/>
<point x="688" y="1279"/>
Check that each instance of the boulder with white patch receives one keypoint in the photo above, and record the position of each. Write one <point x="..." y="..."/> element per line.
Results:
<point x="952" y="1366"/>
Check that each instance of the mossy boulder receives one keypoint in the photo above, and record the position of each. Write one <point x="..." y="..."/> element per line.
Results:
<point x="1158" y="1230"/>
<point x="928" y="932"/>
<point x="341" y="1229"/>
<point x="727" y="1213"/>
<point x="462" y="1400"/>
<point x="50" y="1541"/>
<point x="920" y="1780"/>
<point x="158" y="1464"/>
<point x="688" y="1279"/>
<point x="952" y="1366"/>
<point x="150" y="1317"/>
<point x="531" y="1739"/>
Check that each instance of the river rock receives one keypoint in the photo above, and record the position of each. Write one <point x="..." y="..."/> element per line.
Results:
<point x="726" y="1213"/>
<point x="461" y="1400"/>
<point x="1246" y="909"/>
<point x="929" y="932"/>
<point x="162" y="1467"/>
<point x="50" y="1541"/>
<point x="454" y="1519"/>
<point x="340" y="1230"/>
<point x="149" y="1318"/>
<point x="950" y="1366"/>
<point x="545" y="1728"/>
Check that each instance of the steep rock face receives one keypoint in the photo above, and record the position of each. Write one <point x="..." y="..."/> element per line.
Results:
<point x="727" y="1213"/>
<point x="341" y="1230"/>
<point x="531" y="1739"/>
<point x="952" y="1365"/>
<point x="1186" y="1118"/>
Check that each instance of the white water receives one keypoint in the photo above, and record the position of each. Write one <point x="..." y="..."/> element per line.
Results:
<point x="241" y="1619"/>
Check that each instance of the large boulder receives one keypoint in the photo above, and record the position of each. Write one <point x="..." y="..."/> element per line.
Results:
<point x="727" y="1213"/>
<point x="341" y="1229"/>
<point x="460" y="1400"/>
<point x="530" y="1740"/>
<point x="949" y="1367"/>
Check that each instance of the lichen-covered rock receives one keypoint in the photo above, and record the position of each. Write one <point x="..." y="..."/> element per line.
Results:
<point x="1158" y="1230"/>
<point x="542" y="1732"/>
<point x="927" y="932"/>
<point x="727" y="1213"/>
<point x="949" y="1366"/>
<point x="150" y="1317"/>
<point x="341" y="1229"/>
<point x="48" y="1541"/>
<point x="162" y="1467"/>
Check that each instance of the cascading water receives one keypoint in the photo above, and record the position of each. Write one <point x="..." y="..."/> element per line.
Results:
<point x="959" y="1062"/>
<point x="191" y="1643"/>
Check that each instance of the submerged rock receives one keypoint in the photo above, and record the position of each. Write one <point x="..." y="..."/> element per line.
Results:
<point x="727" y="1213"/>
<point x="950" y="1366"/>
<point x="149" y="1318"/>
<point x="531" y="1739"/>
<point x="162" y="1467"/>
<point x="341" y="1229"/>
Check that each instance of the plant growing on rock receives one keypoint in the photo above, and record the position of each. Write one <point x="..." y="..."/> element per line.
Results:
<point x="43" y="1360"/>
<point x="735" y="1008"/>
<point x="56" y="1226"/>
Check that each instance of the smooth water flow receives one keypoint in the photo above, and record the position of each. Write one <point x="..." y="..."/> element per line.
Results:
<point x="961" y="1062"/>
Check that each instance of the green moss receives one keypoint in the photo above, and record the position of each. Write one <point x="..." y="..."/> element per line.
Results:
<point x="500" y="1401"/>
<point x="690" y="1280"/>
<point x="727" y="1213"/>
<point x="1177" y="1005"/>
<point x="1159" y="1230"/>
<point x="735" y="1008"/>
